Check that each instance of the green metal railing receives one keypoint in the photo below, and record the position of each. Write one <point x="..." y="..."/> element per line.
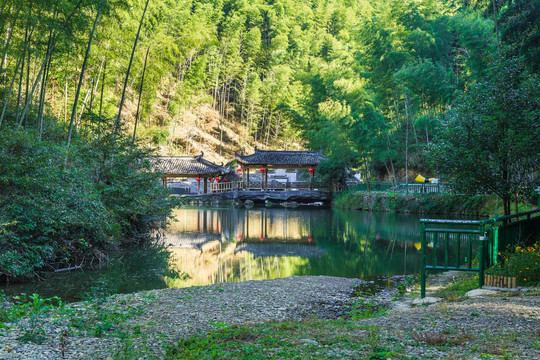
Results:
<point x="404" y="188"/>
<point x="455" y="244"/>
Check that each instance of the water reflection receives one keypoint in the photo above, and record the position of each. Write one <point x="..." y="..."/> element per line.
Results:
<point x="128" y="271"/>
<point x="206" y="246"/>
<point x="237" y="244"/>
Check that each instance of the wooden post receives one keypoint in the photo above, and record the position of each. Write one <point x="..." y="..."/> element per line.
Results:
<point x="266" y="178"/>
<point x="205" y="185"/>
<point x="247" y="184"/>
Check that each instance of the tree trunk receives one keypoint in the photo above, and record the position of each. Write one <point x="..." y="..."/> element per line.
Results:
<point x="117" y="122"/>
<point x="29" y="100"/>
<point x="102" y="87"/>
<point x="74" y="110"/>
<point x="391" y="162"/>
<point x="140" y="95"/>
<point x="8" y="39"/>
<point x="45" y="82"/>
<point x="9" y="91"/>
<point x="506" y="205"/>
<point x="42" y="92"/>
<point x="407" y="153"/>
<point x="21" y="78"/>
<point x="495" y="21"/>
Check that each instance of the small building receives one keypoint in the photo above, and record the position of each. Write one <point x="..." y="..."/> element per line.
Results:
<point x="187" y="167"/>
<point x="264" y="160"/>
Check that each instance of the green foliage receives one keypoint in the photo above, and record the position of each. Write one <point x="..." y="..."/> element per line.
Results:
<point x="458" y="288"/>
<point x="491" y="139"/>
<point x="477" y="205"/>
<point x="61" y="206"/>
<point x="523" y="263"/>
<point x="369" y="82"/>
<point x="17" y="307"/>
<point x="365" y="308"/>
<point x="159" y="136"/>
<point x="520" y="23"/>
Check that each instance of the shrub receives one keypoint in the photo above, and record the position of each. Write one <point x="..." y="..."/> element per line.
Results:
<point x="523" y="264"/>
<point x="60" y="206"/>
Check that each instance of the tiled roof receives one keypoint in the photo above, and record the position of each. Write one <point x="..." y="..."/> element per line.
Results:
<point x="185" y="165"/>
<point x="285" y="158"/>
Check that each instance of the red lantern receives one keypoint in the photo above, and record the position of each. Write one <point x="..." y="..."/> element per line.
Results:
<point x="217" y="178"/>
<point x="310" y="170"/>
<point x="239" y="237"/>
<point x="239" y="170"/>
<point x="198" y="179"/>
<point x="225" y="180"/>
<point x="309" y="239"/>
<point x="261" y="238"/>
<point x="262" y="170"/>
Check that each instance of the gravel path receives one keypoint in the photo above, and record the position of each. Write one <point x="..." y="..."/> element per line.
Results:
<point x="162" y="316"/>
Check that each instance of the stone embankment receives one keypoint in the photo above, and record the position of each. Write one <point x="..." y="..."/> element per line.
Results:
<point x="260" y="197"/>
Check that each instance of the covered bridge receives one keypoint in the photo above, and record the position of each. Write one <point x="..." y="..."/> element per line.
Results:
<point x="264" y="160"/>
<point x="187" y="167"/>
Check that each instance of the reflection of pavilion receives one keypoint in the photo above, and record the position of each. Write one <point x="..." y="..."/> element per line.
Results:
<point x="203" y="221"/>
<point x="277" y="249"/>
<point x="263" y="224"/>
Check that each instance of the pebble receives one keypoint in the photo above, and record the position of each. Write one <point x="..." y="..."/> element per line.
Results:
<point x="174" y="313"/>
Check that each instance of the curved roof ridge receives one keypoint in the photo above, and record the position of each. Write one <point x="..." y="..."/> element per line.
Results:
<point x="185" y="165"/>
<point x="282" y="158"/>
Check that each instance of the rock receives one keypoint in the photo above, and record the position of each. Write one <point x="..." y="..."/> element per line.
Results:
<point x="309" y="342"/>
<point x="480" y="293"/>
<point x="289" y="204"/>
<point x="426" y="301"/>
<point x="249" y="203"/>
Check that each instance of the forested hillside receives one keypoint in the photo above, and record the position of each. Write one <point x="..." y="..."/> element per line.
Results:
<point x="449" y="88"/>
<point x="367" y="80"/>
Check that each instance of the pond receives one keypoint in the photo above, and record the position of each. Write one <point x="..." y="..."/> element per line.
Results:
<point x="210" y="245"/>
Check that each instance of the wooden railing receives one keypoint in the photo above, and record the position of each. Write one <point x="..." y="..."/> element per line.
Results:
<point x="225" y="186"/>
<point x="271" y="185"/>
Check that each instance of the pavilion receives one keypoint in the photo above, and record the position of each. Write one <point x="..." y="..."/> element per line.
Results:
<point x="264" y="160"/>
<point x="187" y="167"/>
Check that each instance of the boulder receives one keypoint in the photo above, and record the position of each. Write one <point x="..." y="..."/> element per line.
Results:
<point x="426" y="301"/>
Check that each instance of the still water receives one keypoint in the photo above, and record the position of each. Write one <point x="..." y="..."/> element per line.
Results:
<point x="209" y="245"/>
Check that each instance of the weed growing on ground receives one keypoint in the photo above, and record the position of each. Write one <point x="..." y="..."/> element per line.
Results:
<point x="17" y="307"/>
<point x="447" y="337"/>
<point x="366" y="308"/>
<point x="458" y="288"/>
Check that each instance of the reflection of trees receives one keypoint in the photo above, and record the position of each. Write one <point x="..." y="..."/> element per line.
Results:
<point x="219" y="262"/>
<point x="373" y="244"/>
<point x="129" y="271"/>
<point x="253" y="241"/>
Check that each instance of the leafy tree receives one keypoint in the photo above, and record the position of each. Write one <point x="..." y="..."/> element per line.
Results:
<point x="490" y="140"/>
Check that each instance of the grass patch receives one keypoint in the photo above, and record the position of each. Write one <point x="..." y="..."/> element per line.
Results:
<point x="313" y="339"/>
<point x="458" y="288"/>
